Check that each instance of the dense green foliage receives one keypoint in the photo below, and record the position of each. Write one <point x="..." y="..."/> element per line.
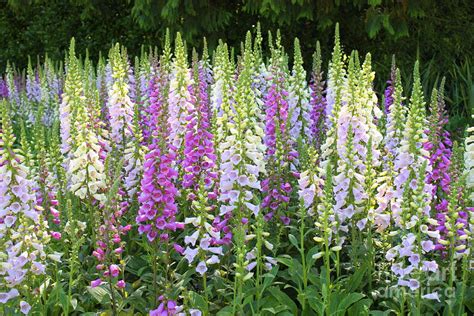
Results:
<point x="438" y="33"/>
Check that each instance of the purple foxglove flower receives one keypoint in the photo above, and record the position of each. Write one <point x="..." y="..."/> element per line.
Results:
<point x="201" y="268"/>
<point x="96" y="283"/>
<point x="25" y="307"/>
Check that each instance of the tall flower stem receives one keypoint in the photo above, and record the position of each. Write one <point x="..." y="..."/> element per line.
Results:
<point x="303" y="254"/>
<point x="154" y="259"/>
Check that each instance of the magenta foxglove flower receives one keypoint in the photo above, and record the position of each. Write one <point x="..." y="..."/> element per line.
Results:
<point x="166" y="308"/>
<point x="279" y="154"/>
<point x="199" y="158"/>
<point x="158" y="208"/>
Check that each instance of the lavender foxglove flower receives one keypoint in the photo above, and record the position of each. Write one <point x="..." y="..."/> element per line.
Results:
<point x="412" y="198"/>
<point x="242" y="162"/>
<point x="33" y="87"/>
<point x="357" y="145"/>
<point x="278" y="141"/>
<point x="411" y="155"/>
<point x="13" y="95"/>
<point x="317" y="101"/>
<point x="438" y="144"/>
<point x="299" y="94"/>
<point x="388" y="101"/>
<point x="179" y="100"/>
<point x="120" y="105"/>
<point x="143" y="78"/>
<point x="23" y="229"/>
<point x="199" y="158"/>
<point x="335" y="84"/>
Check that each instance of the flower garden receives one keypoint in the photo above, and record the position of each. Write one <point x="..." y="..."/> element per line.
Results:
<point x="234" y="183"/>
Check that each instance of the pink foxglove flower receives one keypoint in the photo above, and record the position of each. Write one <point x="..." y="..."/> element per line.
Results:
<point x="158" y="208"/>
<point x="279" y="154"/>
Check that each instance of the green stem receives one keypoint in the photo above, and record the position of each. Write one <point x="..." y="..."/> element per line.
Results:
<point x="69" y="291"/>
<point x="402" y="307"/>
<point x="303" y="260"/>
<point x="154" y="267"/>
<point x="234" y="307"/>
<point x="112" y="292"/>
<point x="452" y="271"/>
<point x="259" y="262"/>
<point x="465" y="273"/>
<point x="204" y="287"/>
<point x="370" y="257"/>
<point x="327" y="263"/>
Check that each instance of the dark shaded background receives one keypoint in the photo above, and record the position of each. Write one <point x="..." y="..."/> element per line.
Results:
<point x="439" y="33"/>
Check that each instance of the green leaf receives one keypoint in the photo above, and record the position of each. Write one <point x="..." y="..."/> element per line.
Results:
<point x="387" y="25"/>
<point x="63" y="299"/>
<point x="275" y="309"/>
<point x="374" y="23"/>
<point x="355" y="280"/>
<point x="309" y="256"/>
<point x="269" y="277"/>
<point x="198" y="301"/>
<point x="347" y="301"/>
<point x="293" y="241"/>
<point x="361" y="307"/>
<point x="381" y="313"/>
<point x="374" y="3"/>
<point x="315" y="301"/>
<point x="283" y="298"/>
<point x="400" y="27"/>
<point x="286" y="260"/>
<point x="74" y="303"/>
<point x="296" y="272"/>
<point x="100" y="294"/>
<point x="226" y="311"/>
<point x="469" y="298"/>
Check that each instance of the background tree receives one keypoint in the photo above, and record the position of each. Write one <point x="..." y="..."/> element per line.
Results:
<point x="438" y="33"/>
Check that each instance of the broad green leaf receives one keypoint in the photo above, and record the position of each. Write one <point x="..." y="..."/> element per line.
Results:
<point x="226" y="311"/>
<point x="283" y="298"/>
<point x="198" y="301"/>
<point x="286" y="260"/>
<point x="309" y="256"/>
<point x="374" y="22"/>
<point x="315" y="301"/>
<point x="100" y="294"/>
<point x="293" y="241"/>
<point x="355" y="280"/>
<point x="387" y="25"/>
<point x="269" y="277"/>
<point x="276" y="309"/>
<point x="361" y="307"/>
<point x="63" y="299"/>
<point x="347" y="301"/>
